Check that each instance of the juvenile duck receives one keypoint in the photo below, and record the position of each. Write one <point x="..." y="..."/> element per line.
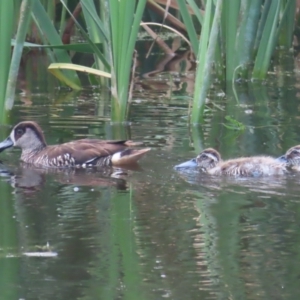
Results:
<point x="291" y="158"/>
<point x="29" y="137"/>
<point x="209" y="161"/>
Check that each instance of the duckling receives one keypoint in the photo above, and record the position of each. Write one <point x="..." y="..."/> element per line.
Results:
<point x="29" y="137"/>
<point x="209" y="161"/>
<point x="291" y="158"/>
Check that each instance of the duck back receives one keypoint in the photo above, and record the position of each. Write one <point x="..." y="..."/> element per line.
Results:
<point x="249" y="167"/>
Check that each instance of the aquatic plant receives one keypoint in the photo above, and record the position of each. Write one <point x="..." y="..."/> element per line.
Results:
<point x="115" y="25"/>
<point x="238" y="39"/>
<point x="237" y="42"/>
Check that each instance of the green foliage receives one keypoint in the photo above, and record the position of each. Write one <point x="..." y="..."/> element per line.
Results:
<point x="238" y="39"/>
<point x="206" y="56"/>
<point x="248" y="36"/>
<point x="24" y="19"/>
<point x="116" y="27"/>
<point x="189" y="23"/>
<point x="267" y="42"/>
<point x="10" y="13"/>
<point x="233" y="124"/>
<point x="7" y="24"/>
<point x="112" y="32"/>
<point x="50" y="36"/>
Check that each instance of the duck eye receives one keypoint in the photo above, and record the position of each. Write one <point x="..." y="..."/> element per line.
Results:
<point x="20" y="131"/>
<point x="295" y="152"/>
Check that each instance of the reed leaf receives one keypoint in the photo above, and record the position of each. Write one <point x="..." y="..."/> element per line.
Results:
<point x="95" y="25"/>
<point x="230" y="24"/>
<point x="287" y="24"/>
<point x="201" y="76"/>
<point x="262" y="22"/>
<point x="57" y="66"/>
<point x="247" y="34"/>
<point x="62" y="20"/>
<point x="267" y="43"/>
<point x="96" y="50"/>
<point x="117" y="31"/>
<point x="81" y="47"/>
<point x="125" y="37"/>
<point x="198" y="13"/>
<point x="7" y="10"/>
<point x="171" y="29"/>
<point x="206" y="56"/>
<point x="51" y="36"/>
<point x="189" y="24"/>
<point x="97" y="33"/>
<point x="24" y="19"/>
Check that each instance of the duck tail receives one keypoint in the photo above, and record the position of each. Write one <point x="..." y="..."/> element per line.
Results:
<point x="130" y="143"/>
<point x="128" y="156"/>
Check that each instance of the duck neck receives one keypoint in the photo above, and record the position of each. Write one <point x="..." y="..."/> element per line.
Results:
<point x="30" y="152"/>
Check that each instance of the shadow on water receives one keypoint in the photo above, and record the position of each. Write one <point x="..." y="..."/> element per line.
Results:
<point x="153" y="233"/>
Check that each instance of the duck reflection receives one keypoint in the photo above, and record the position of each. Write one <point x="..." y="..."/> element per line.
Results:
<point x="28" y="178"/>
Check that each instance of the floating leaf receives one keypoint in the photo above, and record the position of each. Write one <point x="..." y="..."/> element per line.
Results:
<point x="55" y="70"/>
<point x="234" y="124"/>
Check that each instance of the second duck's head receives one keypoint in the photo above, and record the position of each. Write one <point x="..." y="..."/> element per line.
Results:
<point x="25" y="135"/>
<point x="291" y="157"/>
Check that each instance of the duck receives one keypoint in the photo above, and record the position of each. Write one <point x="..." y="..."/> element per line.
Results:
<point x="83" y="153"/>
<point x="291" y="158"/>
<point x="210" y="162"/>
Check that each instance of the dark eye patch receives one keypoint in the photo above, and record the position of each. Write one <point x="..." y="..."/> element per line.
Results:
<point x="20" y="132"/>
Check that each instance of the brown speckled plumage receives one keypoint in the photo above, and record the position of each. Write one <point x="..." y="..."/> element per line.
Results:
<point x="243" y="167"/>
<point x="81" y="153"/>
<point x="209" y="161"/>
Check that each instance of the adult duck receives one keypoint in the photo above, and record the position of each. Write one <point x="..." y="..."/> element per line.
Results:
<point x="29" y="137"/>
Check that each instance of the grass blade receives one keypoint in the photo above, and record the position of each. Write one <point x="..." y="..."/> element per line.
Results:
<point x="231" y="14"/>
<point x="189" y="25"/>
<point x="86" y="36"/>
<point x="287" y="24"/>
<point x="24" y="19"/>
<point x="247" y="34"/>
<point x="206" y="56"/>
<point x="267" y="43"/>
<point x="48" y="31"/>
<point x="57" y="66"/>
<point x="6" y="32"/>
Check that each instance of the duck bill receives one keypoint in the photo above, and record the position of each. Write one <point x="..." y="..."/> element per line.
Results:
<point x="190" y="164"/>
<point x="6" y="144"/>
<point x="282" y="159"/>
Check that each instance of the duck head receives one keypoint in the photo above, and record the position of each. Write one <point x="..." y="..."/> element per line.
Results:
<point x="291" y="157"/>
<point x="207" y="159"/>
<point x="26" y="135"/>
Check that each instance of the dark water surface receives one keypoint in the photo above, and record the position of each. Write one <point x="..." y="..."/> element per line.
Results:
<point x="154" y="233"/>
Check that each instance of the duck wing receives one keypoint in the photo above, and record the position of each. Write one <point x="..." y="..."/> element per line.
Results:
<point x="91" y="152"/>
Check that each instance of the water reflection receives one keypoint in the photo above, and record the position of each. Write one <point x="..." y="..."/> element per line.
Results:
<point x="248" y="227"/>
<point x="153" y="234"/>
<point x="222" y="237"/>
<point x="69" y="213"/>
<point x="27" y="178"/>
<point x="267" y="184"/>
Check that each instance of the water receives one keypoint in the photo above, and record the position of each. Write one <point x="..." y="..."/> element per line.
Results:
<point x="153" y="233"/>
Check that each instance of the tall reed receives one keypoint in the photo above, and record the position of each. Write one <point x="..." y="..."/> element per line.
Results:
<point x="238" y="36"/>
<point x="7" y="25"/>
<point x="115" y="25"/>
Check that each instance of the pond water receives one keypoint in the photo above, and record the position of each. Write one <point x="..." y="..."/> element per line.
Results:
<point x="152" y="233"/>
